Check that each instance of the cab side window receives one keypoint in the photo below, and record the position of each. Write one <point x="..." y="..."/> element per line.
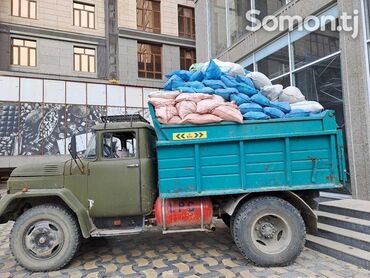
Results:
<point x="119" y="145"/>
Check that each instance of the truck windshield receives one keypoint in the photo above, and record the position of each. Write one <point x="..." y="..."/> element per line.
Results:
<point x="90" y="152"/>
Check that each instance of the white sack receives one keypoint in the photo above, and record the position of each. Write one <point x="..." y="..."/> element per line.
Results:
<point x="272" y="92"/>
<point x="292" y="95"/>
<point x="259" y="79"/>
<point x="308" y="106"/>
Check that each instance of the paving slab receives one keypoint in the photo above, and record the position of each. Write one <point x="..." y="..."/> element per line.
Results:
<point x="177" y="255"/>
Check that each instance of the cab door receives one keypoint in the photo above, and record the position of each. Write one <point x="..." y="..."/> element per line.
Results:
<point x="114" y="178"/>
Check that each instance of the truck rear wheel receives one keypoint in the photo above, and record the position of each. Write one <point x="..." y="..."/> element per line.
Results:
<point x="269" y="231"/>
<point x="45" y="238"/>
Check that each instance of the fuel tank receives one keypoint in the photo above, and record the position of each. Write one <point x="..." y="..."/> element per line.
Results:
<point x="183" y="212"/>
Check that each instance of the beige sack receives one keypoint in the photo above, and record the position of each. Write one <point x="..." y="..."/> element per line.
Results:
<point x="198" y="119"/>
<point x="186" y="107"/>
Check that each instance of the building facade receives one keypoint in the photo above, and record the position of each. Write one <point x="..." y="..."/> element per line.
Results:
<point x="328" y="64"/>
<point x="64" y="64"/>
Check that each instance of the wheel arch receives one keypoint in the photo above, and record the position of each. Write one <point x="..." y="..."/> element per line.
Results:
<point x="307" y="213"/>
<point x="13" y="205"/>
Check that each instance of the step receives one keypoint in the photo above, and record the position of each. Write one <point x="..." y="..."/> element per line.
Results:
<point x="115" y="232"/>
<point x="352" y="208"/>
<point x="348" y="237"/>
<point x="345" y="222"/>
<point x="339" y="251"/>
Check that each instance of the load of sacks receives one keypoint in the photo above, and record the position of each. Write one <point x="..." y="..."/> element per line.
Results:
<point x="197" y="108"/>
<point x="215" y="91"/>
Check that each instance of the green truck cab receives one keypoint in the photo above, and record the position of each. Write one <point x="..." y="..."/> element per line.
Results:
<point x="112" y="190"/>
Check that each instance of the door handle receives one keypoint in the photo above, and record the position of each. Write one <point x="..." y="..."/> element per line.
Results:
<point x="133" y="166"/>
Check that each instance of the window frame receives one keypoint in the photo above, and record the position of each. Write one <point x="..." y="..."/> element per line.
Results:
<point x="182" y="57"/>
<point x="20" y="9"/>
<point x="80" y="17"/>
<point x="145" y="12"/>
<point x="101" y="143"/>
<point x="184" y="18"/>
<point x="88" y="59"/>
<point x="154" y="72"/>
<point x="12" y="46"/>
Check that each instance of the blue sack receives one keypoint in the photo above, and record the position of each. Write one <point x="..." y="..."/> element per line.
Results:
<point x="226" y="93"/>
<point x="177" y="84"/>
<point x="195" y="84"/>
<point x="197" y="76"/>
<point x="183" y="74"/>
<point x="214" y="84"/>
<point x="283" y="106"/>
<point x="186" y="90"/>
<point x="250" y="107"/>
<point x="260" y="99"/>
<point x="256" y="116"/>
<point x="213" y="72"/>
<point x="248" y="90"/>
<point x="297" y="113"/>
<point x="229" y="81"/>
<point x="245" y="80"/>
<point x="240" y="98"/>
<point x="204" y="90"/>
<point x="169" y="83"/>
<point x="274" y="113"/>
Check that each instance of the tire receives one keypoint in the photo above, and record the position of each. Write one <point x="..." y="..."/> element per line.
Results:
<point x="269" y="231"/>
<point x="45" y="238"/>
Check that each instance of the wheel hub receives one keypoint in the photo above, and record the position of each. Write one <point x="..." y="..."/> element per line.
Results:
<point x="43" y="239"/>
<point x="267" y="230"/>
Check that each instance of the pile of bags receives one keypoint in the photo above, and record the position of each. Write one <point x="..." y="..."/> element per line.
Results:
<point x="197" y="108"/>
<point x="223" y="91"/>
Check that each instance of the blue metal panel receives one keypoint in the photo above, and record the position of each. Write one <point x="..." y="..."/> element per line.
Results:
<point x="284" y="154"/>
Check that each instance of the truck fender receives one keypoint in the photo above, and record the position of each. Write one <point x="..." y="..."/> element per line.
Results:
<point x="308" y="215"/>
<point x="64" y="194"/>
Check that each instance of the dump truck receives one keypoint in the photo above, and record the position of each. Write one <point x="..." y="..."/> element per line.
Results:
<point x="261" y="178"/>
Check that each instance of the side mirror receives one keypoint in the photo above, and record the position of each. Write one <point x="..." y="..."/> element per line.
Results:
<point x="72" y="147"/>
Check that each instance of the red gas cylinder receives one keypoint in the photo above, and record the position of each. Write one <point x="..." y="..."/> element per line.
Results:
<point x="184" y="212"/>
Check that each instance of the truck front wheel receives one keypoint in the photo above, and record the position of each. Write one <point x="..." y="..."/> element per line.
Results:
<point x="269" y="231"/>
<point x="45" y="238"/>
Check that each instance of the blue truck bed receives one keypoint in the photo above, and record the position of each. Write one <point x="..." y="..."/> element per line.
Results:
<point x="232" y="158"/>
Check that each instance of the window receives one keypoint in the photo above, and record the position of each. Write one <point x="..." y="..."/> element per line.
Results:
<point x="186" y="22"/>
<point x="268" y="7"/>
<point x="187" y="58"/>
<point x="285" y="81"/>
<point x="250" y="67"/>
<point x="83" y="15"/>
<point x="237" y="18"/>
<point x="322" y="82"/>
<point x="219" y="40"/>
<point x="90" y="152"/>
<point x="275" y="64"/>
<point x="23" y="52"/>
<point x="24" y="8"/>
<point x="149" y="60"/>
<point x="315" y="45"/>
<point x="149" y="15"/>
<point x="119" y="145"/>
<point x="84" y="59"/>
<point x="227" y="19"/>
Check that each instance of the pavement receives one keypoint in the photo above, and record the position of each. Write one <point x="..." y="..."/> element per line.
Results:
<point x="152" y="254"/>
